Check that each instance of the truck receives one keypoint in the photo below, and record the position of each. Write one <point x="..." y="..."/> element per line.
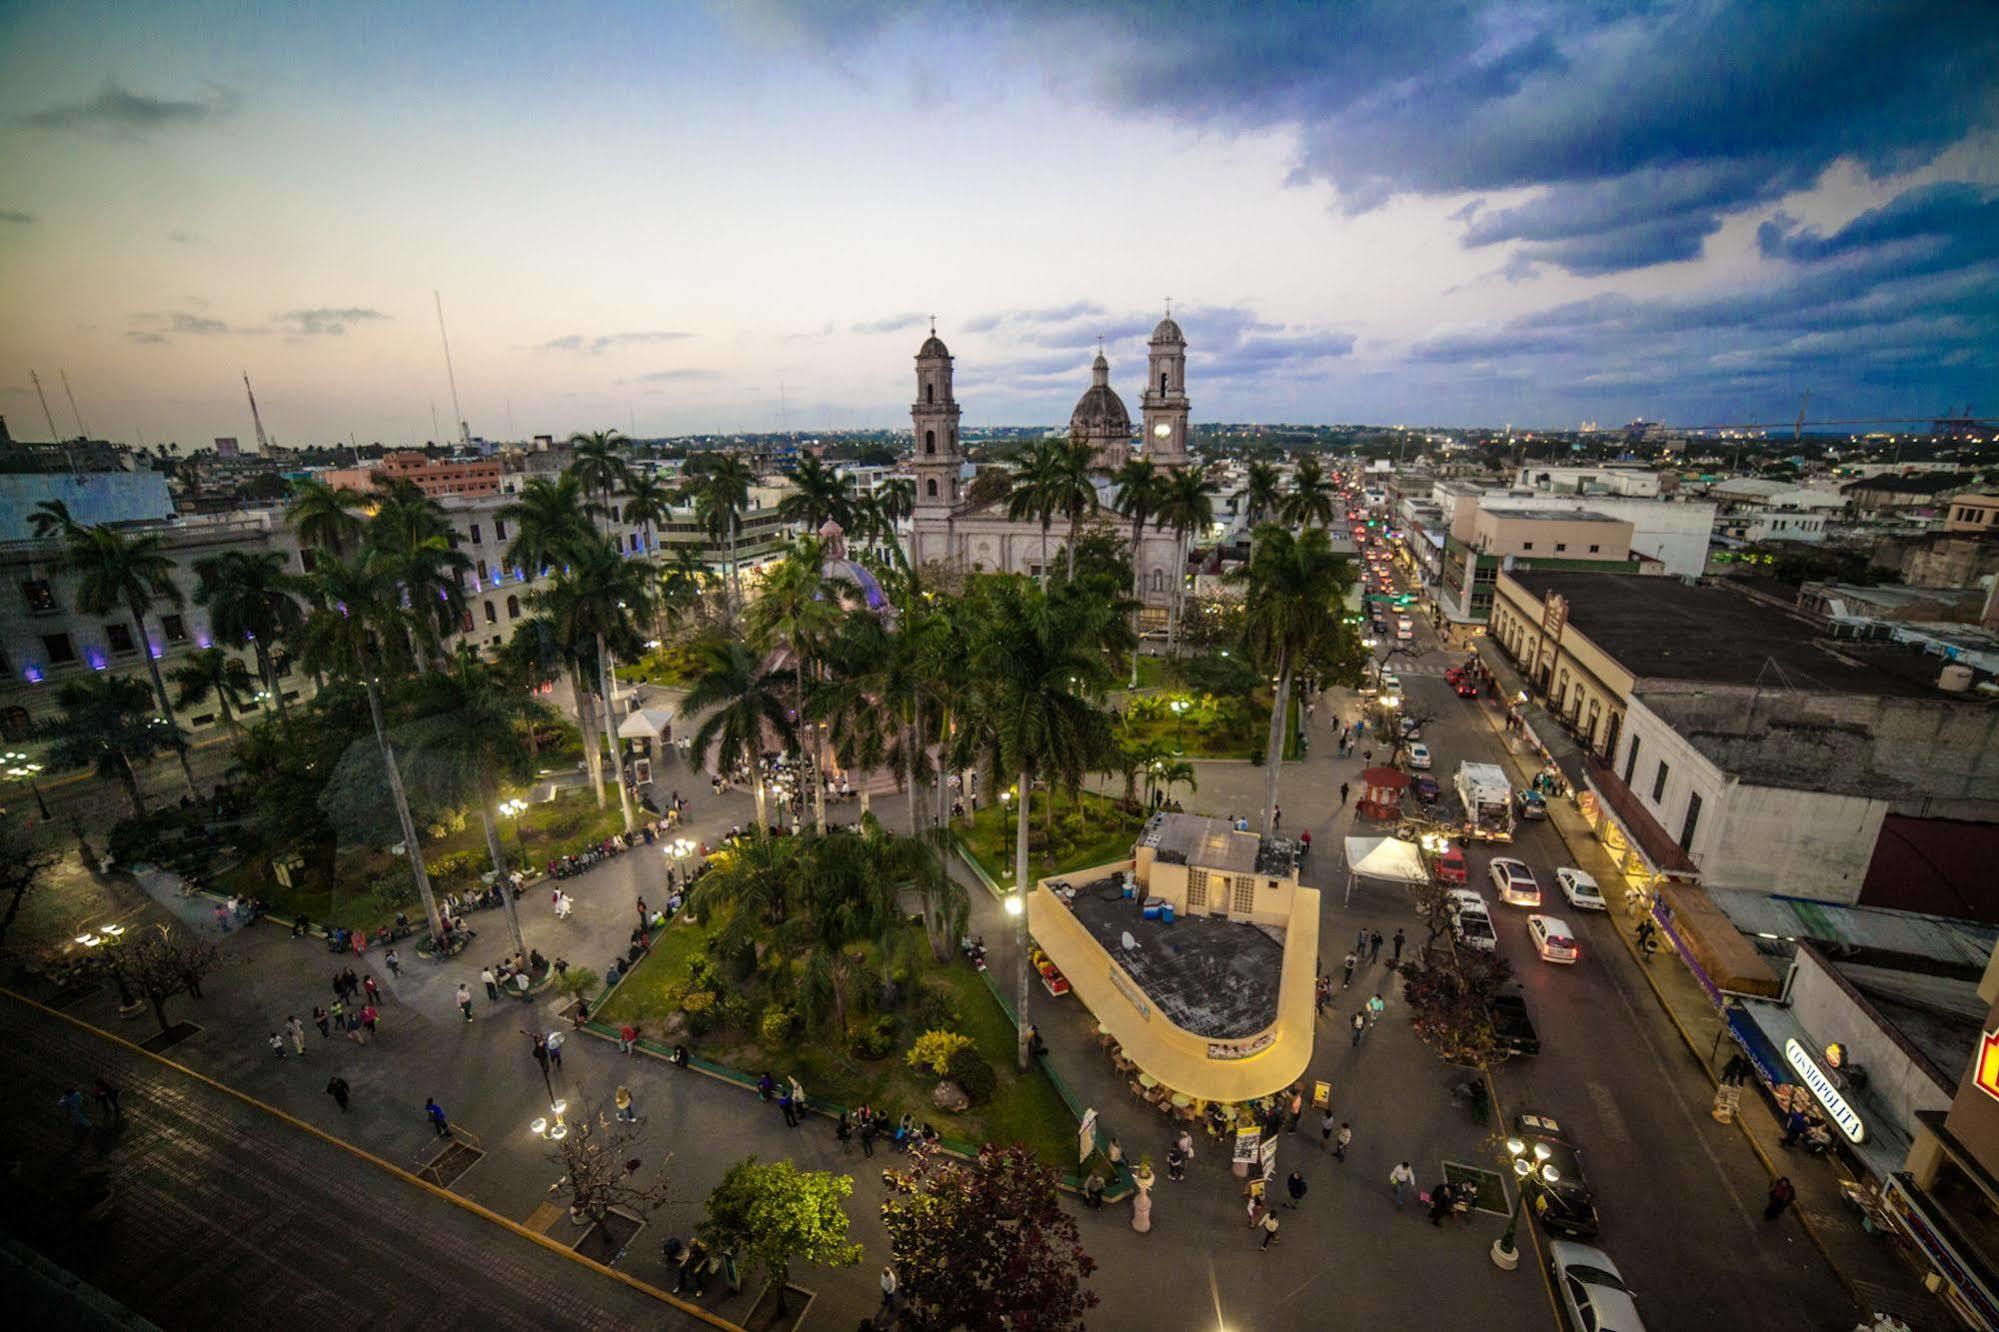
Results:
<point x="1487" y="798"/>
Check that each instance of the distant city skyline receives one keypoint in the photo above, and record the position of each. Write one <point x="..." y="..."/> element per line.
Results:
<point x="700" y="219"/>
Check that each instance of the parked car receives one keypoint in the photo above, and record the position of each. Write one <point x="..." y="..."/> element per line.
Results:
<point x="1514" y="882"/>
<point x="1592" y="1292"/>
<point x="1553" y="939"/>
<point x="1580" y="889"/>
<point x="1511" y="1024"/>
<point x="1426" y="789"/>
<point x="1532" y="806"/>
<point x="1450" y="866"/>
<point x="1555" y="1189"/>
<point x="1473" y="927"/>
<point x="1419" y="757"/>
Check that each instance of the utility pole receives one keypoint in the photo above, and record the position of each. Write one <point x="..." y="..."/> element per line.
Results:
<point x="457" y="413"/>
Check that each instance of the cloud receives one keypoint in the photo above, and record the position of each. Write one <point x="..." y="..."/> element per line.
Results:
<point x="324" y="321"/>
<point x="1948" y="222"/>
<point x="120" y="111"/>
<point x="143" y="336"/>
<point x="183" y="322"/>
<point x="1055" y="314"/>
<point x="16" y="216"/>
<point x="674" y="376"/>
<point x="597" y="346"/>
<point x="892" y="324"/>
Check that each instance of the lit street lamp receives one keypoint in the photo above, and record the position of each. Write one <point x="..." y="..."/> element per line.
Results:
<point x="1179" y="706"/>
<point x="1006" y="821"/>
<point x="513" y="809"/>
<point x="1525" y="1166"/>
<point x="556" y="1130"/>
<point x="20" y="769"/>
<point x="104" y="944"/>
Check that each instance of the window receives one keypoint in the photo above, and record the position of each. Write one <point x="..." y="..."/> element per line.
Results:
<point x="499" y="530"/>
<point x="1631" y="761"/>
<point x="930" y="441"/>
<point x="475" y="534"/>
<point x="513" y="608"/>
<point x="1659" y="782"/>
<point x="1197" y="888"/>
<point x="492" y="617"/>
<point x="467" y="622"/>
<point x="482" y="571"/>
<point x="635" y="541"/>
<point x="173" y="628"/>
<point x="930" y="488"/>
<point x="1561" y="546"/>
<point x="1245" y="895"/>
<point x="1693" y="821"/>
<point x="308" y="559"/>
<point x="1526" y="545"/>
<point x="930" y="393"/>
<point x="119" y="636"/>
<point x="1594" y="549"/>
<point x="16" y="725"/>
<point x="59" y="649"/>
<point x="1162" y="381"/>
<point x="39" y="596"/>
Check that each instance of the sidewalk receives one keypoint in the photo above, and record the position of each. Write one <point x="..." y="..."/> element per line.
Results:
<point x="1874" y="1273"/>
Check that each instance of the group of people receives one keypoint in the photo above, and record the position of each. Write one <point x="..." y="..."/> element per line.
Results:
<point x="870" y="1125"/>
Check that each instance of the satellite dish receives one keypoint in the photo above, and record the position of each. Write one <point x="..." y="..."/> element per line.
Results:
<point x="1129" y="942"/>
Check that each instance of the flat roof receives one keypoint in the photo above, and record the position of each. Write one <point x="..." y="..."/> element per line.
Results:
<point x="1213" y="844"/>
<point x="1664" y="628"/>
<point x="1543" y="514"/>
<point x="1213" y="977"/>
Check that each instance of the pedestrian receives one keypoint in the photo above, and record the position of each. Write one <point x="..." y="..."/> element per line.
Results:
<point x="1114" y="1154"/>
<point x="628" y="1039"/>
<point x="336" y="1087"/>
<point x="789" y="1110"/>
<point x="1304" y="846"/>
<point x="395" y="963"/>
<point x="1276" y="817"/>
<point x="1093" y="1192"/>
<point x="1440" y="1204"/>
<point x="1360" y="942"/>
<point x="868" y="1134"/>
<point x="643" y="916"/>
<point x="1373" y="947"/>
<point x="1176" y="1162"/>
<point x="1297" y="1108"/>
<point x="277" y="1045"/>
<point x="1269" y="1232"/>
<point x="491" y="983"/>
<point x="1399" y="938"/>
<point x="374" y="990"/>
<point x="1400" y="1181"/>
<point x="1185" y="1142"/>
<point x="844" y="1133"/>
<point x="1344" y="788"/>
<point x="338" y="1016"/>
<point x="554" y="1041"/>
<point x="1295" y="1186"/>
<point x="1341" y="1141"/>
<point x="319" y="1019"/>
<point x="296" y="1030"/>
<point x="766" y="1086"/>
<point x="1375" y="1008"/>
<point x="541" y="1053"/>
<point x="1346" y="980"/>
<point x="436" y="1114"/>
<point x="1321" y="992"/>
<point x="368" y="1018"/>
<point x="1326" y="1127"/>
<point x="1782" y="1194"/>
<point x="107" y="1101"/>
<point x="1359" y="1026"/>
<point x="1794" y="1126"/>
<point x="464" y="1001"/>
<point x="626" y="1110"/>
<point x="888" y="1286"/>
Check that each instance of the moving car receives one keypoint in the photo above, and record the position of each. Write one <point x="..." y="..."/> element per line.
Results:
<point x="1411" y="728"/>
<point x="1553" y="939"/>
<point x="1580" y="889"/>
<point x="1419" y="756"/>
<point x="1427" y="791"/>
<point x="1390" y="680"/>
<point x="1592" y="1292"/>
<point x="1465" y="687"/>
<point x="1404" y="629"/>
<point x="1514" y="882"/>
<point x="1555" y="1189"/>
<point x="1450" y="866"/>
<point x="1511" y="1024"/>
<point x="1532" y="806"/>
<point x="1472" y="926"/>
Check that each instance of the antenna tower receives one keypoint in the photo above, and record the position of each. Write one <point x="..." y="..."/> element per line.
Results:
<point x="55" y="435"/>
<point x="457" y="413"/>
<point x="82" y="430"/>
<point x="263" y="444"/>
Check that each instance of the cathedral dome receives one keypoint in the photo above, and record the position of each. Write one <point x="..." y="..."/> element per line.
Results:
<point x="1168" y="331"/>
<point x="1100" y="411"/>
<point x="933" y="348"/>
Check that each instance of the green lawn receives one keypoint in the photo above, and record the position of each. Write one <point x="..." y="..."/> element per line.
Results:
<point x="1025" y="1109"/>
<point x="1208" y="728"/>
<point x="1088" y="834"/>
<point x="335" y="884"/>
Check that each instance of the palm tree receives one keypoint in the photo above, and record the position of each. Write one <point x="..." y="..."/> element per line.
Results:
<point x="549" y="519"/>
<point x="852" y="888"/>
<point x="1036" y="490"/>
<point x="746" y="703"/>
<point x="593" y="602"/>
<point x="356" y="619"/>
<point x="116" y="572"/>
<point x="530" y="660"/>
<point x="842" y="698"/>
<point x="51" y="518"/>
<point x="796" y="611"/>
<point x="323" y="516"/>
<point x="648" y="501"/>
<point x="1072" y="491"/>
<point x="759" y="877"/>
<point x="1140" y="486"/>
<point x="720" y="488"/>
<point x="215" y="672"/>
<point x="1311" y="501"/>
<point x="680" y="585"/>
<point x="251" y="598"/>
<point x="1035" y="668"/>
<point x="819" y="495"/>
<point x="600" y="465"/>
<point x="1184" y="507"/>
<point x="895" y="501"/>
<point x="467" y="741"/>
<point x="1263" y="494"/>
<point x="411" y="539"/>
<point x="106" y="721"/>
<point x="1296" y="590"/>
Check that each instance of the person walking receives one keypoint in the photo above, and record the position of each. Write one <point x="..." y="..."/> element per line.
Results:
<point x="373" y="990"/>
<point x="626" y="1110"/>
<point x="1344" y="789"/>
<point x="1322" y="991"/>
<point x="843" y="1132"/>
<point x="296" y="1030"/>
<point x="1326" y="1127"/>
<point x="1359" y="1026"/>
<point x="336" y="1087"/>
<point x="1401" y="1182"/>
<point x="1269" y="1232"/>
<point x="1794" y="1126"/>
<point x="1440" y="1204"/>
<point x="435" y="1113"/>
<point x="1276" y="817"/>
<point x="1373" y="947"/>
<point x="395" y="962"/>
<point x="1297" y="1108"/>
<point x="465" y="1001"/>
<point x="789" y="1110"/>
<point x="338" y="1016"/>
<point x="1185" y="1142"/>
<point x="1295" y="1186"/>
<point x="869" y="1130"/>
<point x="319" y="1019"/>
<point x="888" y="1287"/>
<point x="1176" y="1162"/>
<point x="554" y="1041"/>
<point x="1399" y="939"/>
<point x="1346" y="979"/>
<point x="368" y="1019"/>
<point x="540" y="1053"/>
<point x="1375" y="1008"/>
<point x="1341" y="1141"/>
<point x="277" y="1045"/>
<point x="1782" y="1195"/>
<point x="1093" y="1192"/>
<point x="491" y="982"/>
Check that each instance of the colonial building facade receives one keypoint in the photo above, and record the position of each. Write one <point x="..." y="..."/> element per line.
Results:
<point x="944" y="530"/>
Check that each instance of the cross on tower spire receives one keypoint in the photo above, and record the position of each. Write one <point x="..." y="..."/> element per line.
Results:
<point x="933" y="326"/>
<point x="1169" y="307"/>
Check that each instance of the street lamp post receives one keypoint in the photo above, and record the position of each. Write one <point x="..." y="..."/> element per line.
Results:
<point x="1525" y="1167"/>
<point x="20" y="768"/>
<point x="1006" y="821"/>
<point x="104" y="943"/>
<point x="1179" y="706"/>
<point x="513" y="809"/>
<point x="550" y="1126"/>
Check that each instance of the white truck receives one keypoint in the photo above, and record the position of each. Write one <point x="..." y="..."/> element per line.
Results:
<point x="1487" y="798"/>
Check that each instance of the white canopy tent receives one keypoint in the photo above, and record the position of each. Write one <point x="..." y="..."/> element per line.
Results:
<point x="646" y="724"/>
<point x="1388" y="858"/>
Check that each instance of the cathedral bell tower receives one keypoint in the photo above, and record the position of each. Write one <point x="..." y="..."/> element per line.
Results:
<point x="1165" y="402"/>
<point x="934" y="415"/>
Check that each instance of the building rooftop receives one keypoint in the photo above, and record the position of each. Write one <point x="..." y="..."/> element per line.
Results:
<point x="1931" y="483"/>
<point x="1212" y="844"/>
<point x="1213" y="977"/>
<point x="1542" y="513"/>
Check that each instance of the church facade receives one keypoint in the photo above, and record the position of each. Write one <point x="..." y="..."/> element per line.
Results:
<point x="944" y="530"/>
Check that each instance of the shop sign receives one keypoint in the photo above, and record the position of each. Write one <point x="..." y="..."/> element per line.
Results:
<point x="1247" y="1142"/>
<point x="1985" y="1072"/>
<point x="1822" y="1087"/>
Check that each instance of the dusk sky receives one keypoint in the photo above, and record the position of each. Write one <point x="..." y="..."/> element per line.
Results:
<point x="651" y="216"/>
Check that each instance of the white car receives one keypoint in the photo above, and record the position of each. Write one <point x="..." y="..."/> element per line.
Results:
<point x="1419" y="756"/>
<point x="1474" y="928"/>
<point x="1553" y="939"/>
<point x="1390" y="680"/>
<point x="1514" y="882"/>
<point x="1592" y="1291"/>
<point x="1581" y="890"/>
<point x="1411" y="728"/>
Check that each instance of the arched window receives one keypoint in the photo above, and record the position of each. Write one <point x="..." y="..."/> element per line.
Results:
<point x="491" y="617"/>
<point x="930" y="488"/>
<point x="1158" y="580"/>
<point x="930" y="441"/>
<point x="513" y="608"/>
<point x="930" y="393"/>
<point x="1162" y="381"/>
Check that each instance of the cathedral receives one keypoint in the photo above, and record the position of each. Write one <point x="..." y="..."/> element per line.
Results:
<point x="945" y="531"/>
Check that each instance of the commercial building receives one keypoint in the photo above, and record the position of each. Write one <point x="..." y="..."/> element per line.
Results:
<point x="1484" y="541"/>
<point x="1632" y="481"/>
<point x="1922" y="490"/>
<point x="435" y="477"/>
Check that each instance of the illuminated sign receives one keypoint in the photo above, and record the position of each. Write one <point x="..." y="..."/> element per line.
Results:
<point x="1822" y="1087"/>
<point x="1986" y="1071"/>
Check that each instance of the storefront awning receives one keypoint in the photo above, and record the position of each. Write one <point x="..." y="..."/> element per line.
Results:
<point x="1652" y="842"/>
<point x="1884" y="1145"/>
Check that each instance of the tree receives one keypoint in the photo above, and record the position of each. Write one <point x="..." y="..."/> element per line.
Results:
<point x="648" y="501"/>
<point x="599" y="465"/>
<point x="600" y="1170"/>
<point x="1072" y="492"/>
<point x="1140" y="486"/>
<point x="894" y="501"/>
<point x="1263" y="493"/>
<point x="720" y="488"/>
<point x="740" y="697"/>
<point x="410" y="541"/>
<point x="1293" y="620"/>
<point x="23" y="862"/>
<point x="116" y="572"/>
<point x="107" y="723"/>
<point x="819" y="495"/>
<point x="984" y="1244"/>
<point x="551" y="524"/>
<point x="323" y="516"/>
<point x="51" y="518"/>
<point x="216" y="673"/>
<point x="1450" y="992"/>
<point x="161" y="962"/>
<point x="779" y="1215"/>
<point x="683" y="579"/>
<point x="593" y="603"/>
<point x="251" y="598"/>
<point x="1183" y="508"/>
<point x="1036" y="491"/>
<point x="797" y="611"/>
<point x="1312" y="501"/>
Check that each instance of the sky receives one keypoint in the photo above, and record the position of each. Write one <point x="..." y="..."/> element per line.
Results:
<point x="674" y="218"/>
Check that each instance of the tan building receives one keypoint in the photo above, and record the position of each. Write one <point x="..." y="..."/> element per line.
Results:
<point x="1556" y="533"/>
<point x="1585" y="685"/>
<point x="1973" y="513"/>
<point x="434" y="477"/>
